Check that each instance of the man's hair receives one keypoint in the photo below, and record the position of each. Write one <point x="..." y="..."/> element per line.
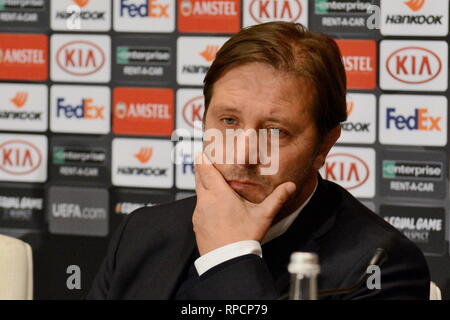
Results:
<point x="291" y="48"/>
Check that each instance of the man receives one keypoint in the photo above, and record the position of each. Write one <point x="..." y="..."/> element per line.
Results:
<point x="234" y="239"/>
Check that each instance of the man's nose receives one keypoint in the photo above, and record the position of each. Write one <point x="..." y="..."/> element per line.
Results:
<point x="247" y="148"/>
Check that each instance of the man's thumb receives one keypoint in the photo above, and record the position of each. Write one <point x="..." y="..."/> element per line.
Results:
<point x="278" y="197"/>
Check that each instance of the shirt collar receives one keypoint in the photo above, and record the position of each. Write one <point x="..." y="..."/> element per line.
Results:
<point x="281" y="226"/>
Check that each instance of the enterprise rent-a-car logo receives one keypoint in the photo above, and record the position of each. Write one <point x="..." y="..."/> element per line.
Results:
<point x="347" y="16"/>
<point x="82" y="159"/>
<point x="24" y="13"/>
<point x="411" y="171"/>
<point x="150" y="60"/>
<point x="415" y="174"/>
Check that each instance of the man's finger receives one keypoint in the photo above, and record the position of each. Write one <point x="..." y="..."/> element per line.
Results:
<point x="198" y="182"/>
<point x="209" y="176"/>
<point x="278" y="197"/>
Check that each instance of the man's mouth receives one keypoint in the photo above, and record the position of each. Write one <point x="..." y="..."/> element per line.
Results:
<point x="241" y="184"/>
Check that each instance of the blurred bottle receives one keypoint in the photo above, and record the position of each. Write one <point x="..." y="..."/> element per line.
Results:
<point x="304" y="268"/>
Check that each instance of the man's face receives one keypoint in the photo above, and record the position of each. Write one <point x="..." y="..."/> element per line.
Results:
<point x="256" y="96"/>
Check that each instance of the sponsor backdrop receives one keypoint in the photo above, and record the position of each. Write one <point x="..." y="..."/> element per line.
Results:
<point x="91" y="91"/>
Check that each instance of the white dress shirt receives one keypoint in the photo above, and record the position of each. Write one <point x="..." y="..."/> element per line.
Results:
<point x="240" y="248"/>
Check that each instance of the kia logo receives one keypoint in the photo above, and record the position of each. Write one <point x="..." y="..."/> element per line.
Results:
<point x="287" y="10"/>
<point x="80" y="58"/>
<point x="346" y="169"/>
<point x="413" y="65"/>
<point x="19" y="157"/>
<point x="193" y="111"/>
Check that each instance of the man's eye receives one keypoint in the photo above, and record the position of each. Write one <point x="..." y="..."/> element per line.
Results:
<point x="229" y="120"/>
<point x="277" y="131"/>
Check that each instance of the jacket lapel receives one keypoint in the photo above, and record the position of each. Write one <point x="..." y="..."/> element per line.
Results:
<point x="313" y="222"/>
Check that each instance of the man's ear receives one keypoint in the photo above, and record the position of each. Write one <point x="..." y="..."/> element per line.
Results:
<point x="327" y="142"/>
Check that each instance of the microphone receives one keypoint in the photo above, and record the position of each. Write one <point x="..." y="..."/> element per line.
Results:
<point x="378" y="258"/>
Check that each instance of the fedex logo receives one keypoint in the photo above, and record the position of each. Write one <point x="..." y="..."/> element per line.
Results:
<point x="80" y="109"/>
<point x="420" y="120"/>
<point x="85" y="110"/>
<point x="144" y="15"/>
<point x="413" y="120"/>
<point x="147" y="8"/>
<point x="187" y="166"/>
<point x="183" y="157"/>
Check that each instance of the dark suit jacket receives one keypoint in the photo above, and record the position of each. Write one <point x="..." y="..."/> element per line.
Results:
<point x="151" y="255"/>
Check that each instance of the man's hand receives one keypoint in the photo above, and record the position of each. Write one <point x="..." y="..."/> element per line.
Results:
<point x="222" y="216"/>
